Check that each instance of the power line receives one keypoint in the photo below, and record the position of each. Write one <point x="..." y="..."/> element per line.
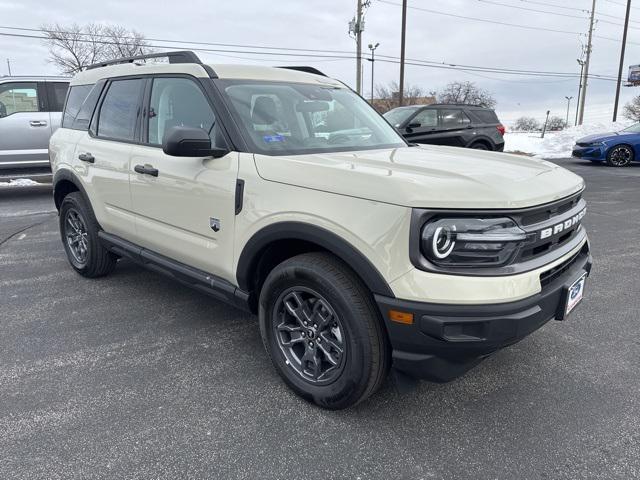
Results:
<point x="384" y="58"/>
<point x="621" y="4"/>
<point x="533" y="9"/>
<point x="496" y="22"/>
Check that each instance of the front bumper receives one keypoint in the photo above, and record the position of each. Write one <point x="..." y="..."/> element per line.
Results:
<point x="444" y="341"/>
<point x="591" y="153"/>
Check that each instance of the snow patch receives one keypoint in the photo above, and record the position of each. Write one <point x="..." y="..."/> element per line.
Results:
<point x="556" y="144"/>
<point x="19" y="182"/>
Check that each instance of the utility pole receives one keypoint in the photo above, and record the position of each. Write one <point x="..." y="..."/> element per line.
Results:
<point x="581" y="63"/>
<point x="583" y="99"/>
<point x="568" y="107"/>
<point x="624" y="44"/>
<point x="402" y="45"/>
<point x="358" y="33"/>
<point x="9" y="66"/>
<point x="544" y="129"/>
<point x="372" y="60"/>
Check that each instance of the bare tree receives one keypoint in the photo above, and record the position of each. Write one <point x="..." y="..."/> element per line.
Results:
<point x="74" y="47"/>
<point x="526" y="124"/>
<point x="387" y="96"/>
<point x="632" y="109"/>
<point x="556" y="123"/>
<point x="466" y="93"/>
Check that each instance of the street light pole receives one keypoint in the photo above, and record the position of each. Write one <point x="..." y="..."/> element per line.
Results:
<point x="9" y="66"/>
<point x="372" y="60"/>
<point x="568" y="107"/>
<point x="624" y="44"/>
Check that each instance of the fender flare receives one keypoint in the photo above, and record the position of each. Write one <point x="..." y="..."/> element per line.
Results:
<point x="483" y="139"/>
<point x="69" y="176"/>
<point x="335" y="244"/>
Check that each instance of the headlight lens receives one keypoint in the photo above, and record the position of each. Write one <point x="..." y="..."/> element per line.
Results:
<point x="463" y="242"/>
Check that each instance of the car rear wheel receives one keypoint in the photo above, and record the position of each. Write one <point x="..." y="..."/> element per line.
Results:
<point x="79" y="232"/>
<point x="479" y="146"/>
<point x="620" y="156"/>
<point x="322" y="331"/>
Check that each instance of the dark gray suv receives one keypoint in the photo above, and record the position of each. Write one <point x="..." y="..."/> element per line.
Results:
<point x="455" y="125"/>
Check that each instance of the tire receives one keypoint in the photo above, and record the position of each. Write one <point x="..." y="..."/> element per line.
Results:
<point x="479" y="146"/>
<point x="342" y="309"/>
<point x="620" y="156"/>
<point x="79" y="233"/>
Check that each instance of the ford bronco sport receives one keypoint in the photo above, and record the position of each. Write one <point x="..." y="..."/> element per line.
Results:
<point x="281" y="191"/>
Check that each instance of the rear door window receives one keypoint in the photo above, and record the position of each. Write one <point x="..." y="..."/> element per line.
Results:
<point x="16" y="97"/>
<point x="120" y="109"/>
<point x="57" y="92"/>
<point x="450" y="118"/>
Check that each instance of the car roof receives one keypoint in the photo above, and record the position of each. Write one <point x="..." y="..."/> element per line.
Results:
<point x="222" y="71"/>
<point x="33" y="78"/>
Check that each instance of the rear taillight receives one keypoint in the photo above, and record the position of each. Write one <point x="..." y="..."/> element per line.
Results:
<point x="501" y="129"/>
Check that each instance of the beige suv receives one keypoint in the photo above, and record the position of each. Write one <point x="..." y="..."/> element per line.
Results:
<point x="283" y="192"/>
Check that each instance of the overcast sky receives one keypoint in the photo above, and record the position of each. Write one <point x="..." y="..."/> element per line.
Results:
<point x="322" y="25"/>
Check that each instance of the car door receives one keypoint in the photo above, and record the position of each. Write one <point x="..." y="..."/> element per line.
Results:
<point x="185" y="209"/>
<point x="453" y="127"/>
<point x="24" y="125"/>
<point x="103" y="153"/>
<point x="422" y="127"/>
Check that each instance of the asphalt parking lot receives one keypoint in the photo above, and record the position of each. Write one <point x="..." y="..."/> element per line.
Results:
<point x="135" y="376"/>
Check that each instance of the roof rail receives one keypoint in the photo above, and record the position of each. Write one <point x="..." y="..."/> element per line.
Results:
<point x="313" y="70"/>
<point x="181" y="56"/>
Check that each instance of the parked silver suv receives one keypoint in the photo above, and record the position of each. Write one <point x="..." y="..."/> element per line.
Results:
<point x="30" y="111"/>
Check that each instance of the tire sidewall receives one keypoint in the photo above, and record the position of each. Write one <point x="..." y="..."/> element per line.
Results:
<point x="75" y="202"/>
<point x="348" y="387"/>
<point x="610" y="154"/>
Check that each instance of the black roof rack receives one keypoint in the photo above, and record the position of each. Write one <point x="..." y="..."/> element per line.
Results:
<point x="313" y="70"/>
<point x="181" y="56"/>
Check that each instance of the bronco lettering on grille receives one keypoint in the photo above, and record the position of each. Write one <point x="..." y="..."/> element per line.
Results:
<point x="561" y="227"/>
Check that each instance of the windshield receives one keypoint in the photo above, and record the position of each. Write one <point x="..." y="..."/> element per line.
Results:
<point x="279" y="118"/>
<point x="633" y="128"/>
<point x="398" y="115"/>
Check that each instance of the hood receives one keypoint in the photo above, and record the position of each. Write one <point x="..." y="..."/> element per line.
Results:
<point x="599" y="137"/>
<point x="426" y="177"/>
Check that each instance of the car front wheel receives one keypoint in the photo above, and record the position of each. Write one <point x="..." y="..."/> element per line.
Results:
<point x="322" y="331"/>
<point x="620" y="156"/>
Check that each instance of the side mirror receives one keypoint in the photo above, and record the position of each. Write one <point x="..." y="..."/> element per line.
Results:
<point x="190" y="142"/>
<point x="414" y="125"/>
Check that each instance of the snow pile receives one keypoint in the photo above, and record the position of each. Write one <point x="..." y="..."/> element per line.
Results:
<point x="19" y="182"/>
<point x="556" y="144"/>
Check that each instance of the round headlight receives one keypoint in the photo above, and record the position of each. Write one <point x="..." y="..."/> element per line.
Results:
<point x="443" y="241"/>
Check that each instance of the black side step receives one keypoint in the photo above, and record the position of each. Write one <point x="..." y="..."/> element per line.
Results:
<point x="192" y="277"/>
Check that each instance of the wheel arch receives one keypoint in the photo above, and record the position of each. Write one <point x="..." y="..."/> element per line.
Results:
<point x="279" y="241"/>
<point x="64" y="183"/>
<point x="484" y="140"/>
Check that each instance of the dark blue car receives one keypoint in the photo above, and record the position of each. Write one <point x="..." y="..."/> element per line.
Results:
<point x="618" y="149"/>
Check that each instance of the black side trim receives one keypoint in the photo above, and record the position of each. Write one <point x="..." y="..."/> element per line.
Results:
<point x="239" y="195"/>
<point x="313" y="70"/>
<point x="254" y="248"/>
<point x="192" y="277"/>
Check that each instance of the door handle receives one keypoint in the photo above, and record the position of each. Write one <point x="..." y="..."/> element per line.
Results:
<point x="146" y="170"/>
<point x="38" y="123"/>
<point x="87" y="157"/>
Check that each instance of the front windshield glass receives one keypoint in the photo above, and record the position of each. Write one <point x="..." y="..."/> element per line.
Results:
<point x="398" y="115"/>
<point x="280" y="118"/>
<point x="633" y="128"/>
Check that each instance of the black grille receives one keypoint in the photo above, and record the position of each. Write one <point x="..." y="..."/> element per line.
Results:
<point x="550" y="275"/>
<point x="545" y="213"/>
